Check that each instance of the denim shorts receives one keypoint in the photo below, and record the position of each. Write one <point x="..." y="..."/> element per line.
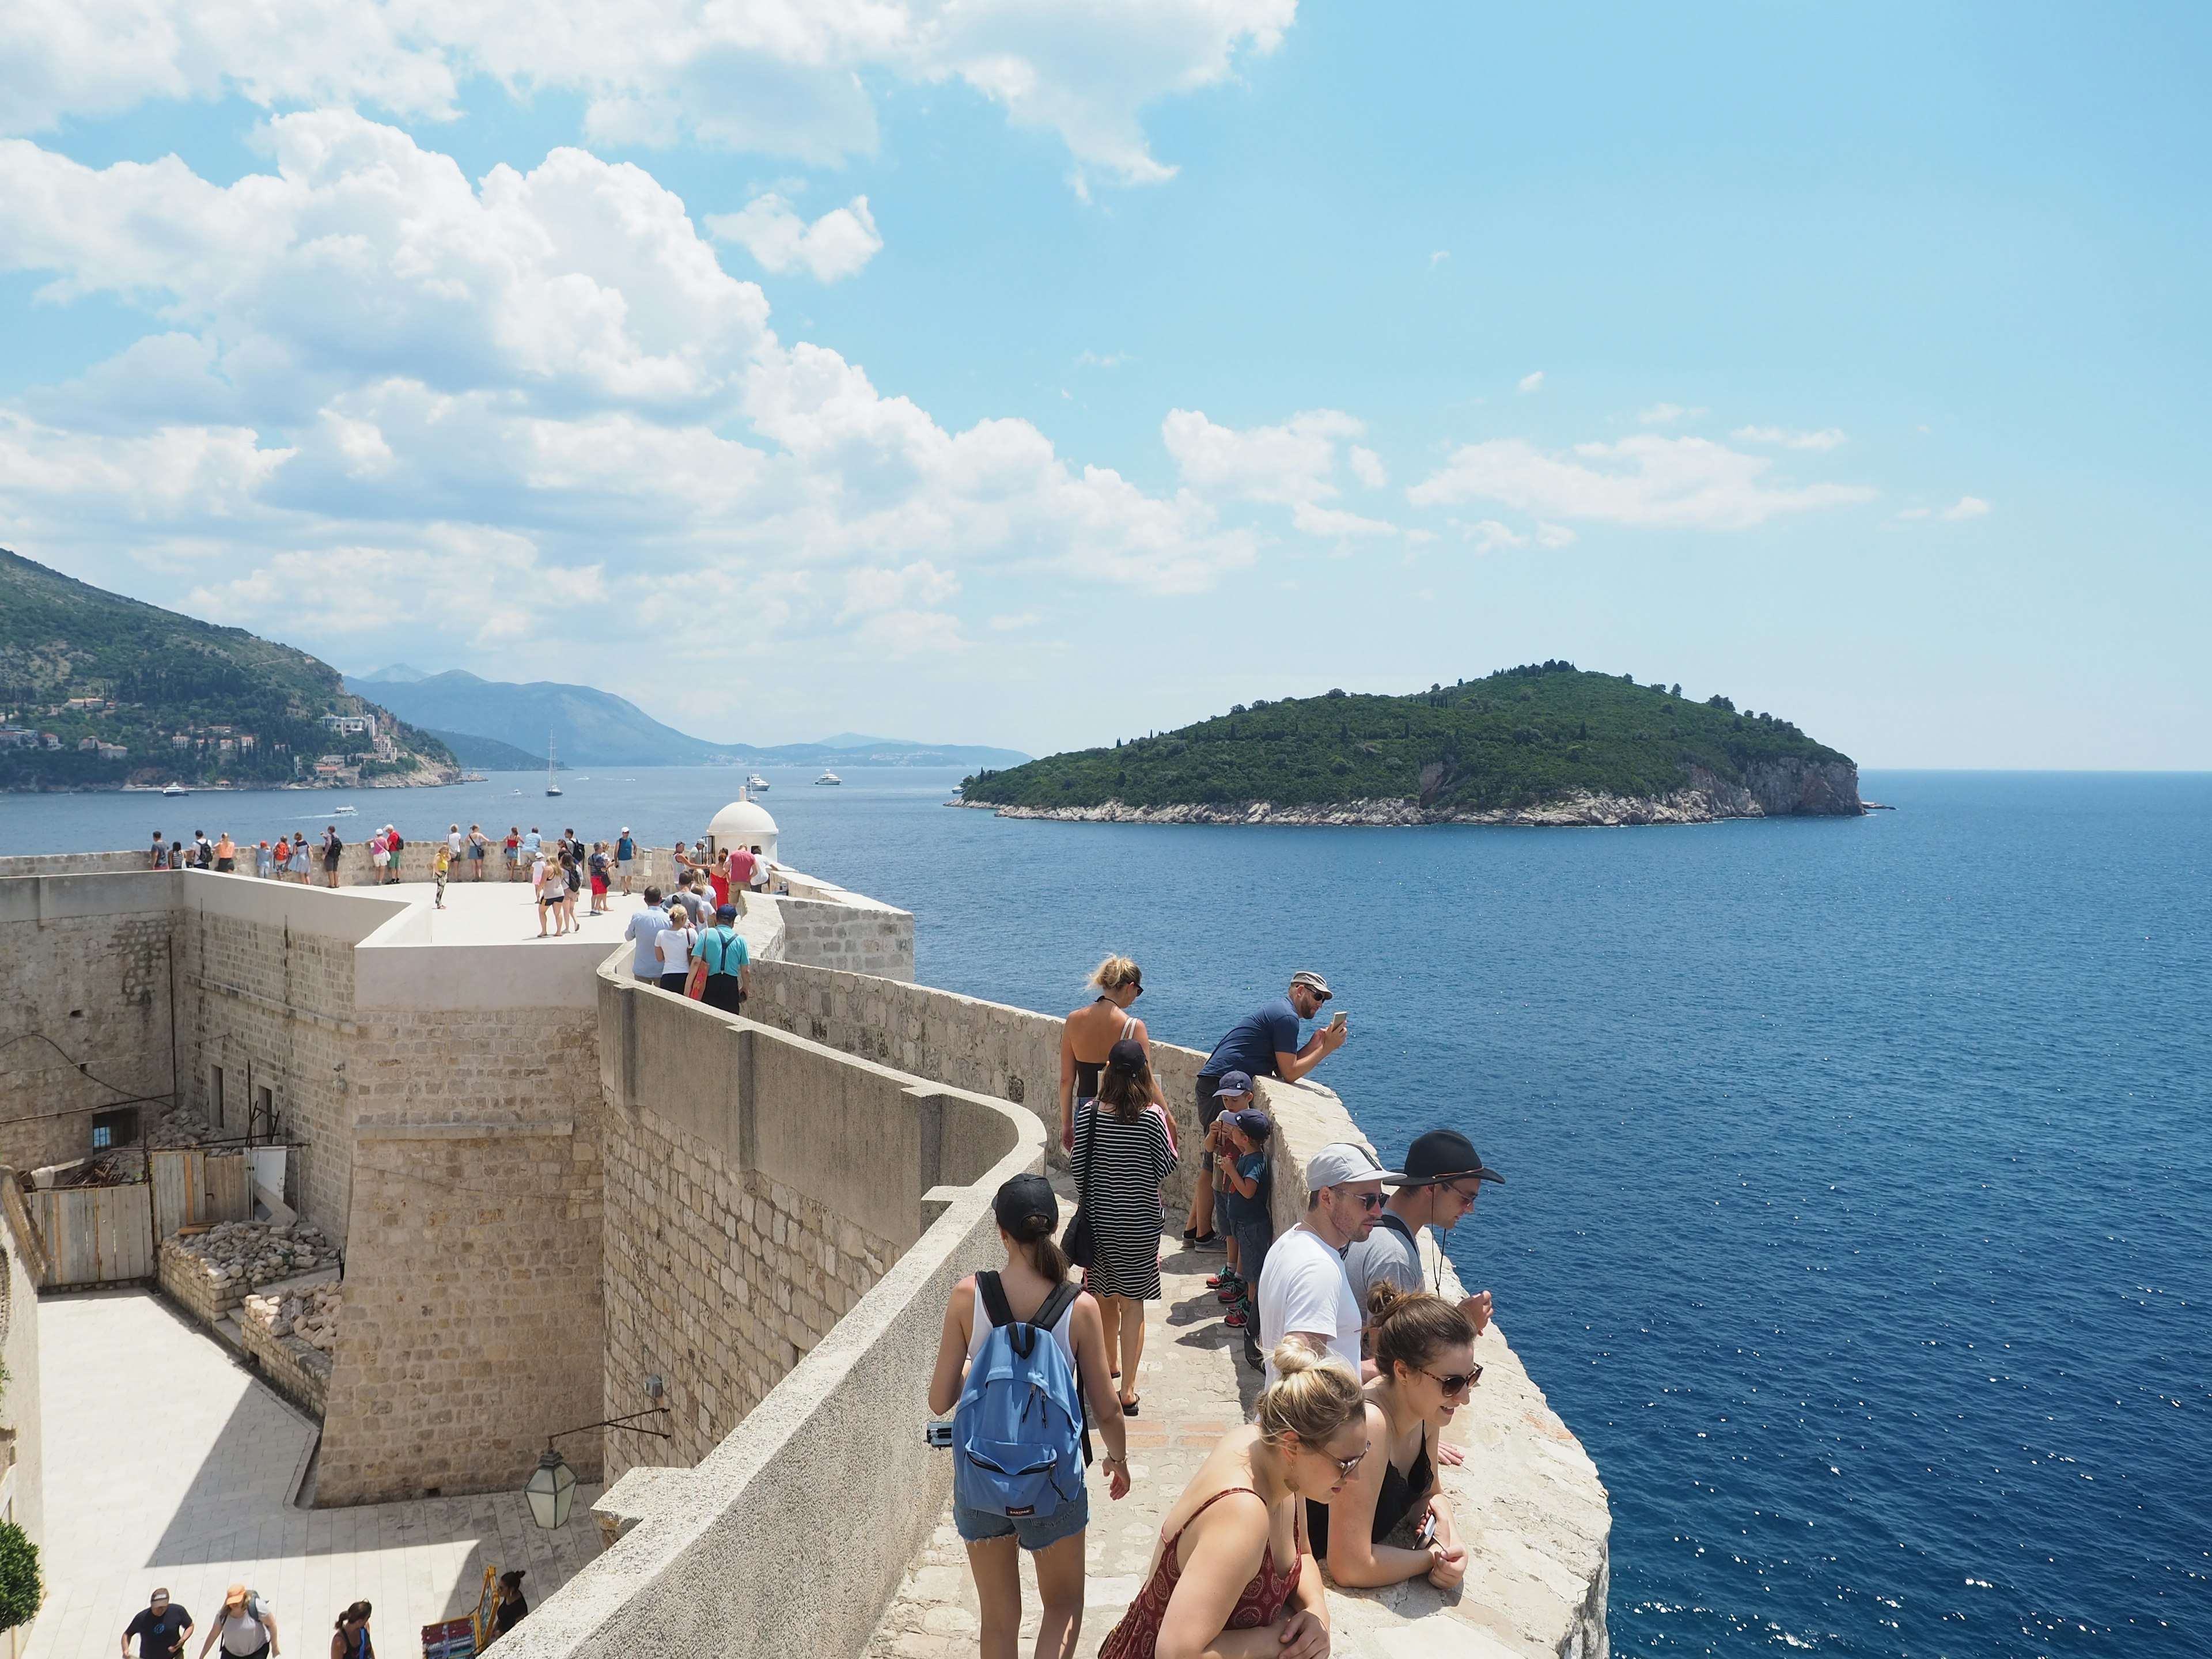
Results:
<point x="979" y="1528"/>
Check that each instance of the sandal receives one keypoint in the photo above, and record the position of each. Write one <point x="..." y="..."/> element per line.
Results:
<point x="1129" y="1407"/>
<point x="1201" y="1239"/>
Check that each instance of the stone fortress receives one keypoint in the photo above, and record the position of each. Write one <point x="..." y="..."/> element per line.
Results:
<point x="558" y="1196"/>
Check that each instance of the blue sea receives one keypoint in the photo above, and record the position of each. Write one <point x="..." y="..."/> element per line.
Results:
<point x="1855" y="1214"/>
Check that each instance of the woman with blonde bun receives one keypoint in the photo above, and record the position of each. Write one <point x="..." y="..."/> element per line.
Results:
<point x="1424" y="1371"/>
<point x="1235" y="1578"/>
<point x="1091" y="1031"/>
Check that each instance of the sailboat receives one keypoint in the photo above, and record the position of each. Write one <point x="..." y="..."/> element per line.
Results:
<point x="552" y="784"/>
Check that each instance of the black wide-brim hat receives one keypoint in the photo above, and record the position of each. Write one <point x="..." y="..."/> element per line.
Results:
<point x="1443" y="1155"/>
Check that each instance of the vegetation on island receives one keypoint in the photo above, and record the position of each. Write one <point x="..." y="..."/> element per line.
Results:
<point x="98" y="690"/>
<point x="1517" y="739"/>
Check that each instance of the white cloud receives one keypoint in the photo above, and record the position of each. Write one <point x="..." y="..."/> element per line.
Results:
<point x="1644" y="480"/>
<point x="1293" y="465"/>
<point x="1530" y="382"/>
<point x="1438" y="257"/>
<point x="1553" y="535"/>
<point x="836" y="244"/>
<point x="1335" y="521"/>
<point x="1009" y="624"/>
<point x="1489" y="536"/>
<point x="768" y="75"/>
<point x="1968" y="506"/>
<point x="1367" y="467"/>
<point x="1666" y="414"/>
<point x="1827" y="438"/>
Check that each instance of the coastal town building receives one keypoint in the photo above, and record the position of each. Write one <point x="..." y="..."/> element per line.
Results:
<point x="497" y="1187"/>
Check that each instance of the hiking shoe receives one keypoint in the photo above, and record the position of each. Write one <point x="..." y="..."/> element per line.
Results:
<point x="1230" y="1293"/>
<point x="1236" y="1321"/>
<point x="1224" y="1279"/>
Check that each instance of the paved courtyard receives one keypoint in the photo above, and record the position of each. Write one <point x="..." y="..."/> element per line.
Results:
<point x="168" y="1462"/>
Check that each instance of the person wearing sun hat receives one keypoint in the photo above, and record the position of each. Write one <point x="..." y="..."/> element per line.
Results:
<point x="1443" y="1175"/>
<point x="246" y="1627"/>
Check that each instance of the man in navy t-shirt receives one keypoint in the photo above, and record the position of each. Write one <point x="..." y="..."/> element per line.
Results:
<point x="1264" y="1044"/>
<point x="162" y="1628"/>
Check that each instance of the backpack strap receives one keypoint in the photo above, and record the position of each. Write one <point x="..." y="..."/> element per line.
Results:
<point x="1047" y="1315"/>
<point x="1001" y="1313"/>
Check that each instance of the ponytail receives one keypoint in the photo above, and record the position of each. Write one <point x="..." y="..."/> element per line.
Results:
<point x="1035" y="1237"/>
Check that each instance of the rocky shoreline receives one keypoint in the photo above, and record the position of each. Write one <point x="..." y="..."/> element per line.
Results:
<point x="1786" y="790"/>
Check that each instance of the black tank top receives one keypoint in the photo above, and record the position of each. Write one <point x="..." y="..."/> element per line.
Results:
<point x="1087" y="1071"/>
<point x="1392" y="1504"/>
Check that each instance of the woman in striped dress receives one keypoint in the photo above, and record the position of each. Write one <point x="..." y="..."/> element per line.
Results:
<point x="1120" y="1155"/>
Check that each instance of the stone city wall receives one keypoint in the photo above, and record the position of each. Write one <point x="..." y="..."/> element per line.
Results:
<point x="295" y="1369"/>
<point x="23" y="1491"/>
<point x="859" y="938"/>
<point x="758" y="1540"/>
<point x="85" y="982"/>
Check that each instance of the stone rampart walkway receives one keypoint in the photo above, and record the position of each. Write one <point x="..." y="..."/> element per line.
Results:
<point x="1526" y="1581"/>
<point x="167" y="1463"/>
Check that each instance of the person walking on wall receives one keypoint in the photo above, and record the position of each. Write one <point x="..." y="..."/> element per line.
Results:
<point x="625" y="857"/>
<point x="1235" y="1575"/>
<point x="350" y="1640"/>
<point x="1391" y="1521"/>
<point x="1121" y="1154"/>
<point x="1264" y="1044"/>
<point x="1091" y="1031"/>
<point x="479" y="844"/>
<point x="394" y="844"/>
<point x="1033" y="1286"/>
<point x="332" y="847"/>
<point x="161" y="1626"/>
<point x="642" y="931"/>
<point x="301" y="868"/>
<point x="672" y="947"/>
<point x="552" y="891"/>
<point x="1305" y="1296"/>
<point x="600" y="880"/>
<point x="246" y="1627"/>
<point x="160" y="853"/>
<point x="441" y="863"/>
<point x="723" y="949"/>
<point x="1443" y="1177"/>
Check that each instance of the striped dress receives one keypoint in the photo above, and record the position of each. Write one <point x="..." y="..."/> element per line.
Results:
<point x="1123" y="1198"/>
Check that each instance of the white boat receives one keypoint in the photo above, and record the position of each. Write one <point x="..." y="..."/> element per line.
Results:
<point x="175" y="789"/>
<point x="828" y="777"/>
<point x="552" y="786"/>
<point x="343" y="812"/>
<point x="756" y="782"/>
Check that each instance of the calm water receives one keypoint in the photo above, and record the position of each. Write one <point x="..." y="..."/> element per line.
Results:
<point x="1855" y="1215"/>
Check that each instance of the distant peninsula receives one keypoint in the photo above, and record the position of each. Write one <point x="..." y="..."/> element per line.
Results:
<point x="1545" y="744"/>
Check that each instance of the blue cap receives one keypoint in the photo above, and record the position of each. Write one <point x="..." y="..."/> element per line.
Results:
<point x="1253" y="1124"/>
<point x="726" y="913"/>
<point x="1233" y="1083"/>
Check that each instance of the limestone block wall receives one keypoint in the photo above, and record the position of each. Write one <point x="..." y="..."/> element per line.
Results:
<point x="1010" y="1054"/>
<point x="860" y="938"/>
<point x="19" y="1352"/>
<point x="295" y="1368"/>
<point x="472" y="1323"/>
<point x="85" y="980"/>
<point x="184" y="1280"/>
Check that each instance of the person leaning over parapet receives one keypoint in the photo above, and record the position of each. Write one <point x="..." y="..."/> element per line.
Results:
<point x="161" y="1626"/>
<point x="1443" y="1175"/>
<point x="1304" y="1296"/>
<point x="1264" y="1044"/>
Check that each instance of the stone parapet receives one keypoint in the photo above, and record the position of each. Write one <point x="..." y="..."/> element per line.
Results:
<point x="187" y="1281"/>
<point x="299" y="1372"/>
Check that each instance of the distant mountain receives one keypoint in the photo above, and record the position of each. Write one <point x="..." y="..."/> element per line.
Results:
<point x="398" y="674"/>
<point x="98" y="690"/>
<point x="487" y="754"/>
<point x="591" y="727"/>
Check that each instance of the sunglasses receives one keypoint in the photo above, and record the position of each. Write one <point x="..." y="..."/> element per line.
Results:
<point x="1348" y="1467"/>
<point x="1136" y="988"/>
<point x="1455" y="1381"/>
<point x="1370" y="1201"/>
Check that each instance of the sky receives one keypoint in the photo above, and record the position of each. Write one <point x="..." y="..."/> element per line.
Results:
<point x="1046" y="372"/>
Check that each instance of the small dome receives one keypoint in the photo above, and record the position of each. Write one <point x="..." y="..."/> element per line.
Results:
<point x="743" y="822"/>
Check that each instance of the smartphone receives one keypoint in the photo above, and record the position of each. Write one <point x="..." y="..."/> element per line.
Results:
<point x="938" y="1435"/>
<point x="1340" y="1018"/>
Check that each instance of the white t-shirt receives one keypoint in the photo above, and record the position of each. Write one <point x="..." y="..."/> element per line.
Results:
<point x="675" y="945"/>
<point x="1302" y="1288"/>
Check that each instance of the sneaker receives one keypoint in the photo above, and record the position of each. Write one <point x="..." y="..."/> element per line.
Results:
<point x="1223" y="1281"/>
<point x="1230" y="1293"/>
<point x="1236" y="1321"/>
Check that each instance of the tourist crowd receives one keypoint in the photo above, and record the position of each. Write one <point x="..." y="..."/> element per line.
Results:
<point x="246" y="1627"/>
<point x="1364" y="1362"/>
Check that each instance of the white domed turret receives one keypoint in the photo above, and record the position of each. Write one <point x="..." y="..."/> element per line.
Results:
<point x="744" y="822"/>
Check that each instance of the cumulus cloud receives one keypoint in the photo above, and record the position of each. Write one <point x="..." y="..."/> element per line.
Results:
<point x="768" y="228"/>
<point x="1646" y="480"/>
<point x="1293" y="465"/>
<point x="1530" y="382"/>
<point x="1666" y="414"/>
<point x="768" y="75"/>
<point x="373" y="376"/>
<point x="1367" y="467"/>
<point x="1966" y="507"/>
<point x="1489" y="536"/>
<point x="1827" y="438"/>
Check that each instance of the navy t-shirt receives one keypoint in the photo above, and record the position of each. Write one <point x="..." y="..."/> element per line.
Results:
<point x="1255" y="1041"/>
<point x="158" y="1638"/>
<point x="1250" y="1211"/>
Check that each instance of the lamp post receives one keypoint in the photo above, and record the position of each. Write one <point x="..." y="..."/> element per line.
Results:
<point x="552" y="1485"/>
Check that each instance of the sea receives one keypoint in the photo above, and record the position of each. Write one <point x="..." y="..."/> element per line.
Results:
<point x="1856" y="1213"/>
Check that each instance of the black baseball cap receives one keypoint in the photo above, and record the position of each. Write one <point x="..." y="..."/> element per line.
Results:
<point x="1127" y="1056"/>
<point x="1442" y="1155"/>
<point x="1024" y="1196"/>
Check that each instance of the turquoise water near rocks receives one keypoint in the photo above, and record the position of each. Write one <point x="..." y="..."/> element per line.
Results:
<point x="1855" y="1215"/>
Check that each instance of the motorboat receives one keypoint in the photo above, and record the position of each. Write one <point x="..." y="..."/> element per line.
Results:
<point x="174" y="789"/>
<point x="552" y="784"/>
<point x="756" y="782"/>
<point x="343" y="812"/>
<point x="828" y="777"/>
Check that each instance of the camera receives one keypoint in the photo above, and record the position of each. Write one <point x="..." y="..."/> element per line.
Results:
<point x="938" y="1434"/>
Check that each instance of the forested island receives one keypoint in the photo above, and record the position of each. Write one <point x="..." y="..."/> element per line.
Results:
<point x="1545" y="744"/>
<point x="98" y="691"/>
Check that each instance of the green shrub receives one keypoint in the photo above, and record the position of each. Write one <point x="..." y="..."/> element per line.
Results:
<point x="21" y="1588"/>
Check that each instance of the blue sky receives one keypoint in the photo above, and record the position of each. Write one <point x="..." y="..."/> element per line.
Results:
<point x="1042" y="374"/>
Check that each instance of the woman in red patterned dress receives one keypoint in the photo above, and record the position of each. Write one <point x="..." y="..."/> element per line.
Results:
<point x="1235" y="1577"/>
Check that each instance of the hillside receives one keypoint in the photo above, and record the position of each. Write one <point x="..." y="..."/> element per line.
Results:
<point x="97" y="690"/>
<point x="1545" y="744"/>
<point x="591" y="727"/>
<point x="488" y="754"/>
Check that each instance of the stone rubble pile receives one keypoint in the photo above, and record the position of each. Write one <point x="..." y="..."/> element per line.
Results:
<point x="311" y="1315"/>
<point x="255" y="1253"/>
<point x="179" y="1126"/>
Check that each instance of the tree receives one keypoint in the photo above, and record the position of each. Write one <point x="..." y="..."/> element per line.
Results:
<point x="21" y="1588"/>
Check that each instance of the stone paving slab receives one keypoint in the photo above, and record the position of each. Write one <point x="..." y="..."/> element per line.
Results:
<point x="168" y="1462"/>
<point x="1527" y="1502"/>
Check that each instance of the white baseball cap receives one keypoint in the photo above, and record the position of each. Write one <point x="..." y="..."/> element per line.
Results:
<point x="1341" y="1161"/>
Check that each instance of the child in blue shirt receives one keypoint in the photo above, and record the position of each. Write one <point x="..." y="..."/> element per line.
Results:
<point x="1250" y="1202"/>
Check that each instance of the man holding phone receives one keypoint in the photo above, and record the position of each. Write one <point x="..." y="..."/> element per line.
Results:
<point x="1264" y="1044"/>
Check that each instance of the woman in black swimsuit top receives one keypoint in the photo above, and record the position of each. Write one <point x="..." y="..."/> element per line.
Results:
<point x="1425" y="1351"/>
<point x="1095" y="1029"/>
<point x="351" y="1639"/>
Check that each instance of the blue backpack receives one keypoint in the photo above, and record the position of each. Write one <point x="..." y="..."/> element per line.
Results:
<point x="1017" y="1434"/>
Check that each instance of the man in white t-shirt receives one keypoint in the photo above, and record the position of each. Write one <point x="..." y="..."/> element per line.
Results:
<point x="1304" y="1295"/>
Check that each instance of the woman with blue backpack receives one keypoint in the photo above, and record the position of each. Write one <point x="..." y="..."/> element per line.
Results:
<point x="1023" y="1351"/>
